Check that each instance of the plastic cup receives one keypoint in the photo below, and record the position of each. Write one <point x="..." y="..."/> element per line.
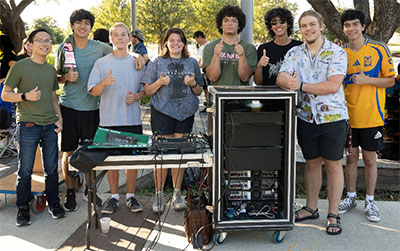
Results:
<point x="105" y="224"/>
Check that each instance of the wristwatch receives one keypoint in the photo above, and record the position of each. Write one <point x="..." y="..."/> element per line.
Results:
<point x="23" y="97"/>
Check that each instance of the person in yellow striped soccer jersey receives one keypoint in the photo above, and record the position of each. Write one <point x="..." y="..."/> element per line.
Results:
<point x="369" y="72"/>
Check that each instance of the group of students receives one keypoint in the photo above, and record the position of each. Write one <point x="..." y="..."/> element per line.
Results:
<point x="324" y="74"/>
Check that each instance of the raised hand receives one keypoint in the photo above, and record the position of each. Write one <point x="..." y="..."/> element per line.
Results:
<point x="109" y="80"/>
<point x="130" y="98"/>
<point x="164" y="80"/>
<point x="139" y="62"/>
<point x="264" y="60"/>
<point x="34" y="94"/>
<point x="239" y="49"/>
<point x="71" y="75"/>
<point x="360" y="78"/>
<point x="293" y="82"/>
<point x="189" y="80"/>
<point x="218" y="48"/>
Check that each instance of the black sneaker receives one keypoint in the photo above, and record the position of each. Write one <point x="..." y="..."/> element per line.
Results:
<point x="111" y="206"/>
<point x="99" y="202"/>
<point x="70" y="202"/>
<point x="56" y="210"/>
<point x="23" y="217"/>
<point x="134" y="205"/>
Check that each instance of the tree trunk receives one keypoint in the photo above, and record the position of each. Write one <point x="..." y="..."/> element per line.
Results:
<point x="10" y="16"/>
<point x="385" y="22"/>
<point x="330" y="15"/>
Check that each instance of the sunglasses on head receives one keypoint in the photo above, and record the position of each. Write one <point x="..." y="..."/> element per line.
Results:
<point x="276" y="22"/>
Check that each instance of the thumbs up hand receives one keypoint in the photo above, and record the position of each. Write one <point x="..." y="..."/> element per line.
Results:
<point x="218" y="48"/>
<point x="71" y="75"/>
<point x="189" y="80"/>
<point x="239" y="49"/>
<point x="109" y="80"/>
<point x="264" y="60"/>
<point x="360" y="78"/>
<point x="130" y="98"/>
<point x="164" y="80"/>
<point x="293" y="82"/>
<point x="34" y="94"/>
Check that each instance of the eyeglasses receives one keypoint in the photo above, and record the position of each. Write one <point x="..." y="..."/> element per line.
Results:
<point x="41" y="41"/>
<point x="273" y="23"/>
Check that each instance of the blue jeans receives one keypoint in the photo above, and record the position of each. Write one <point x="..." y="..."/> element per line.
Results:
<point x="29" y="136"/>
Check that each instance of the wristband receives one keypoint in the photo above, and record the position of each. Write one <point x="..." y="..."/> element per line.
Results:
<point x="301" y="86"/>
<point x="23" y="97"/>
<point x="193" y="86"/>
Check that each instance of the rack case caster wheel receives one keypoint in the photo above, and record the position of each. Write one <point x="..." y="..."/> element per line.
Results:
<point x="220" y="238"/>
<point x="279" y="236"/>
<point x="38" y="204"/>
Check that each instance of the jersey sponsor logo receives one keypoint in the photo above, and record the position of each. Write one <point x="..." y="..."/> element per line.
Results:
<point x="368" y="61"/>
<point x="356" y="63"/>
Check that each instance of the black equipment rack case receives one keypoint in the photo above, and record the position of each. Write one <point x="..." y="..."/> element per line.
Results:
<point x="253" y="174"/>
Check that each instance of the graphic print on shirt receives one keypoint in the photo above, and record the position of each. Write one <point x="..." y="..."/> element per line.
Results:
<point x="229" y="58"/>
<point x="274" y="68"/>
<point x="177" y="87"/>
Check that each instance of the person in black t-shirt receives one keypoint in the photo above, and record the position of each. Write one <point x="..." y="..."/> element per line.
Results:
<point x="8" y="58"/>
<point x="279" y="22"/>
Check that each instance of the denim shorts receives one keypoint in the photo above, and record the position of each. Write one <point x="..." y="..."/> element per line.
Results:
<point x="162" y="124"/>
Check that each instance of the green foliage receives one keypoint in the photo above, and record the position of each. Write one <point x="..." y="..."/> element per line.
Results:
<point x="110" y="12"/>
<point x="205" y="12"/>
<point x="260" y="33"/>
<point x="48" y="23"/>
<point x="155" y="17"/>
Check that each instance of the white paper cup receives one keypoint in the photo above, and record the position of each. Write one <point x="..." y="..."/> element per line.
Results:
<point x="105" y="224"/>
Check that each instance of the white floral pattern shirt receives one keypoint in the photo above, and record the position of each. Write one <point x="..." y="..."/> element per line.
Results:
<point x="329" y="61"/>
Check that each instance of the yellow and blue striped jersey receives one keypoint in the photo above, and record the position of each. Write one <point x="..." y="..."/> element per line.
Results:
<point x="366" y="103"/>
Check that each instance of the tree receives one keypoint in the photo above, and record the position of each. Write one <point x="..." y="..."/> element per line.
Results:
<point x="205" y="12"/>
<point x="51" y="25"/>
<point x="385" y="21"/>
<point x="155" y="17"/>
<point x="10" y="16"/>
<point x="110" y="12"/>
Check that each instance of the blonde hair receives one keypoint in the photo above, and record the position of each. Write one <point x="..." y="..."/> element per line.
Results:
<point x="312" y="13"/>
<point x="119" y="24"/>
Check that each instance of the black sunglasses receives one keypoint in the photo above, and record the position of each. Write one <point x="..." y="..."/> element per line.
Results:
<point x="276" y="22"/>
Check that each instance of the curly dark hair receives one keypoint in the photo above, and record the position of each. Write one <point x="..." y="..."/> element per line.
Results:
<point x="231" y="11"/>
<point x="284" y="14"/>
<point x="351" y="14"/>
<point x="78" y="15"/>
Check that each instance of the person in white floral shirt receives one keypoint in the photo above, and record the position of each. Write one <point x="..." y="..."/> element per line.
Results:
<point x="316" y="69"/>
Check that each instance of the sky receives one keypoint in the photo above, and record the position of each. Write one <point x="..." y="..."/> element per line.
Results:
<point x="61" y="10"/>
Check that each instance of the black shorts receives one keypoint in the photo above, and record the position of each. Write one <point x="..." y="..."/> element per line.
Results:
<point x="370" y="139"/>
<point x="324" y="140"/>
<point x="78" y="127"/>
<point x="162" y="124"/>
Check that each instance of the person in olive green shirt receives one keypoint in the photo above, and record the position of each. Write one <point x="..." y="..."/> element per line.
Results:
<point x="39" y="121"/>
<point x="229" y="60"/>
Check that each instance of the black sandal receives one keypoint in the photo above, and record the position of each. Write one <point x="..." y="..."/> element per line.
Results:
<point x="314" y="214"/>
<point x="332" y="225"/>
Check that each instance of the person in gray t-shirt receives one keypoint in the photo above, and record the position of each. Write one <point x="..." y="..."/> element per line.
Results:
<point x="117" y="82"/>
<point x="173" y="81"/>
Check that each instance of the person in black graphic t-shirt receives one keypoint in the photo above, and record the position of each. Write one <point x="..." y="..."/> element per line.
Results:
<point x="279" y="22"/>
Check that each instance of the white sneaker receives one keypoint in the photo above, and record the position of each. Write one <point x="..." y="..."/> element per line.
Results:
<point x="372" y="211"/>
<point x="158" y="203"/>
<point x="178" y="203"/>
<point x="347" y="204"/>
